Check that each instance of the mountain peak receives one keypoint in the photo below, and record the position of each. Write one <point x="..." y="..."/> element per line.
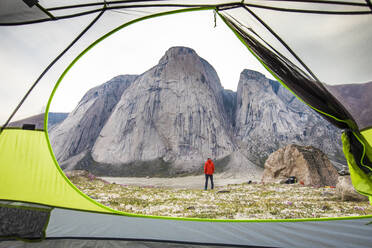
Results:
<point x="180" y="50"/>
<point x="177" y="52"/>
<point x="253" y="75"/>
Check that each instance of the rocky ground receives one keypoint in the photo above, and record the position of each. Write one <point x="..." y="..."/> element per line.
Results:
<point x="227" y="201"/>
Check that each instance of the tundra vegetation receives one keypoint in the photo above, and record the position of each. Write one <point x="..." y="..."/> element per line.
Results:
<point x="235" y="201"/>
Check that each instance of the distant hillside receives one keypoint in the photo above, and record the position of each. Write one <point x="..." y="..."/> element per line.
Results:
<point x="356" y="98"/>
<point x="38" y="120"/>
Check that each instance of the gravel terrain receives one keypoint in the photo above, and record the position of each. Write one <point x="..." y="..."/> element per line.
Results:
<point x="232" y="198"/>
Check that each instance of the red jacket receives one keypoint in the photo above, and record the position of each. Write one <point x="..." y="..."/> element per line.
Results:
<point x="209" y="167"/>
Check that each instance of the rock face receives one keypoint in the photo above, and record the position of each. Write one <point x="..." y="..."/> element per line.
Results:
<point x="75" y="136"/>
<point x="307" y="164"/>
<point x="170" y="119"/>
<point x="269" y="117"/>
<point x="172" y="115"/>
<point x="346" y="191"/>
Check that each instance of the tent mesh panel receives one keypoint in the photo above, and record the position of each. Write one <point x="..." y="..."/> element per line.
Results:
<point x="24" y="223"/>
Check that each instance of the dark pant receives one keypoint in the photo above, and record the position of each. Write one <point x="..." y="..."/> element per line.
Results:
<point x="206" y="181"/>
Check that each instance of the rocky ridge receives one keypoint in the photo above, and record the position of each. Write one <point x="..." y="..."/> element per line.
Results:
<point x="169" y="119"/>
<point x="268" y="117"/>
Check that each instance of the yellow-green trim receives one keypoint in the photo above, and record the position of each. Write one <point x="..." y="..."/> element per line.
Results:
<point x="361" y="181"/>
<point x="163" y="217"/>
<point x="365" y="151"/>
<point x="367" y="135"/>
<point x="211" y="220"/>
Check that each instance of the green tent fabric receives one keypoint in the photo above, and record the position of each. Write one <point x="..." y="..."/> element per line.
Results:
<point x="34" y="189"/>
<point x="31" y="175"/>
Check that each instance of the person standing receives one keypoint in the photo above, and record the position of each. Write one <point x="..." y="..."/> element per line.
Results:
<point x="208" y="171"/>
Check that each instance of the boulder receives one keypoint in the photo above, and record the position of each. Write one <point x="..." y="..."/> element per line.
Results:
<point x="346" y="191"/>
<point x="308" y="164"/>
